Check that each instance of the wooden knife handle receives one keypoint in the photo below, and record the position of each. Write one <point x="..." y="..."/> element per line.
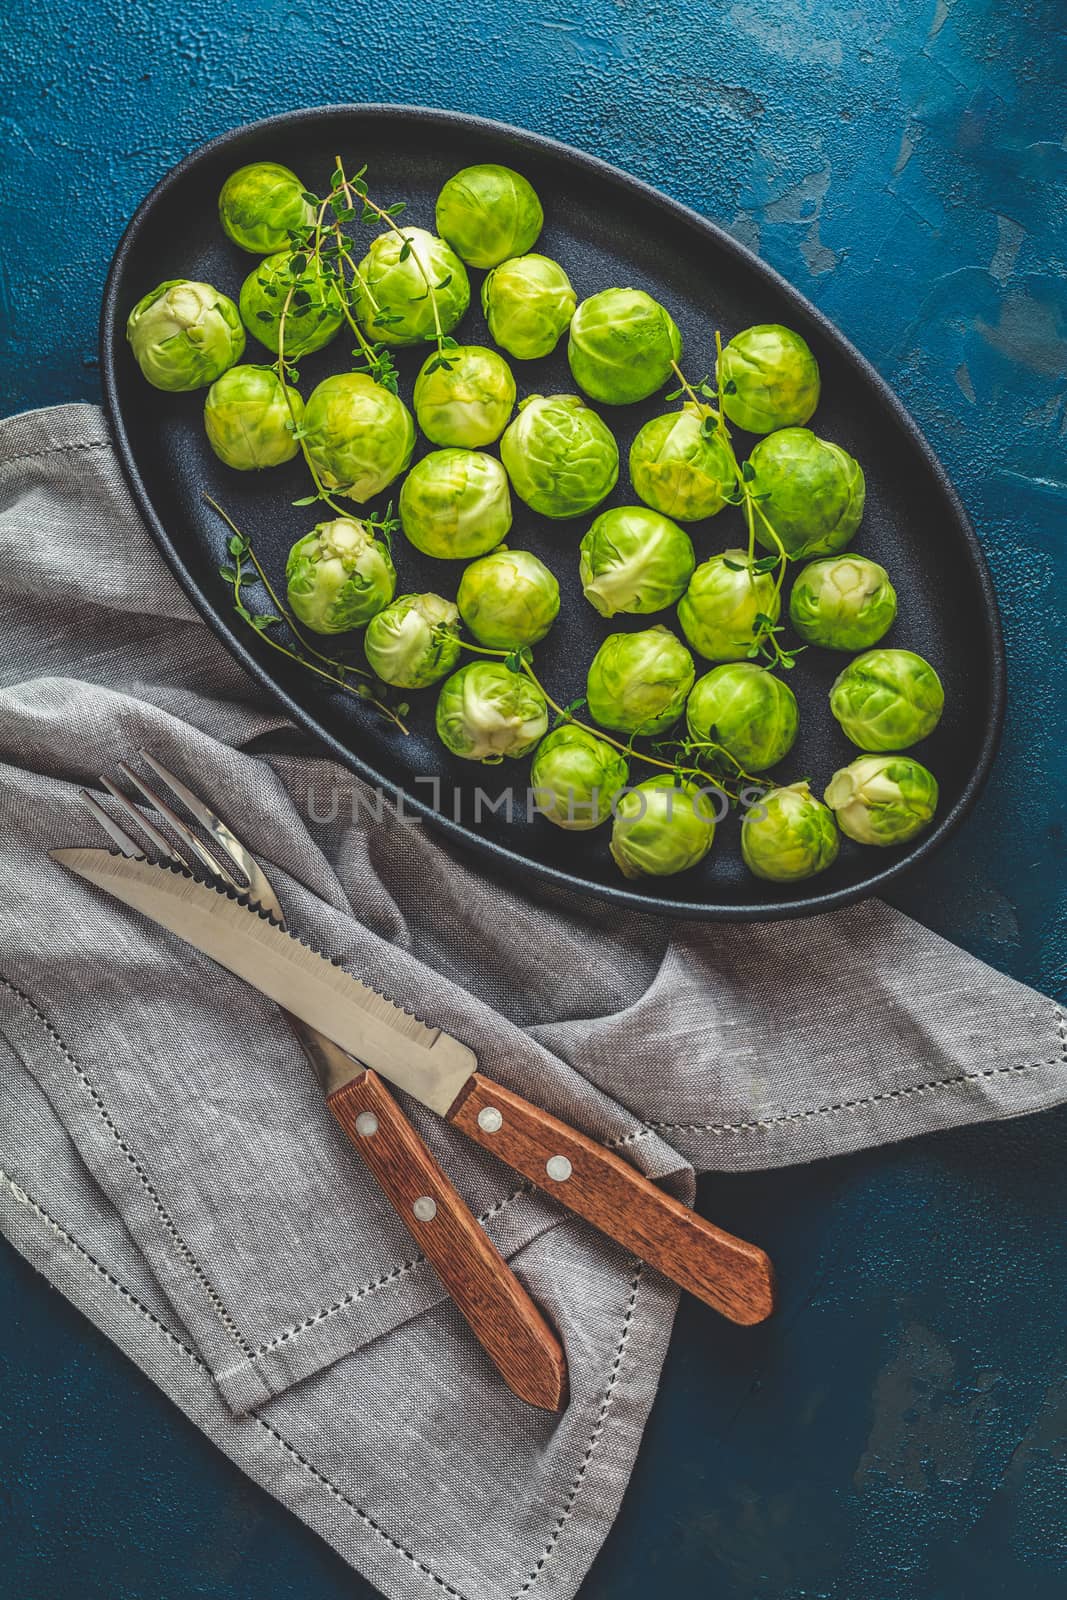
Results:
<point x="734" y="1277"/>
<point x="501" y="1315"/>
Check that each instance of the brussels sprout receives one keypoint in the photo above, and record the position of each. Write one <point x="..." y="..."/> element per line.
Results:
<point x="661" y="827"/>
<point x="843" y="602"/>
<point x="680" y="470"/>
<point x="560" y="457"/>
<point x="882" y="799"/>
<point x="575" y="777"/>
<point x="747" y="710"/>
<point x="260" y="204"/>
<point x="468" y="402"/>
<point x="887" y="699"/>
<point x="635" y="560"/>
<point x="414" y="641"/>
<point x="815" y="492"/>
<point x="528" y="303"/>
<point x="314" y="310"/>
<point x="358" y="435"/>
<point x="184" y="335"/>
<point x="638" y="682"/>
<point x="455" y="504"/>
<point x="488" y="213"/>
<point x="508" y="599"/>
<point x="486" y="712"/>
<point x="789" y="835"/>
<point x="393" y="300"/>
<point x="339" y="576"/>
<point x="248" y="420"/>
<point x="770" y="379"/>
<point x="621" y="346"/>
<point x="719" y="610"/>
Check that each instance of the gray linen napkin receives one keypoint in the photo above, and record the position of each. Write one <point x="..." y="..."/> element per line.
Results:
<point x="165" y="1159"/>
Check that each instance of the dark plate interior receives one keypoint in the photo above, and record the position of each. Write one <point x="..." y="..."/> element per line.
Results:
<point x="606" y="229"/>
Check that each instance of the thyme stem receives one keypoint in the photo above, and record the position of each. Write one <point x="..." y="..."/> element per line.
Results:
<point x="281" y="368"/>
<point x="765" y="639"/>
<point x="383" y="215"/>
<point x="628" y="750"/>
<point x="332" y="671"/>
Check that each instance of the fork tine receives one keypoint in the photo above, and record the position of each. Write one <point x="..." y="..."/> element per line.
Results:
<point x="128" y="846"/>
<point x="185" y="833"/>
<point x="147" y="827"/>
<point x="259" y="889"/>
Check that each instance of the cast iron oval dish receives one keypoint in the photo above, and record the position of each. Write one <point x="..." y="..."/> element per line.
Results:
<point x="605" y="228"/>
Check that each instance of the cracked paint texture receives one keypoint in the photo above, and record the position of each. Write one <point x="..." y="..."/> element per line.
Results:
<point x="898" y="1433"/>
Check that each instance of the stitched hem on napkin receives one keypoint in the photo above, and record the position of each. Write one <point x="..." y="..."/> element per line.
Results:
<point x="247" y="1374"/>
<point x="579" y="1523"/>
<point x="992" y="1093"/>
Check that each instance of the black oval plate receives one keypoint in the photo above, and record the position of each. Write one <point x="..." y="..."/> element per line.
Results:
<point x="606" y="228"/>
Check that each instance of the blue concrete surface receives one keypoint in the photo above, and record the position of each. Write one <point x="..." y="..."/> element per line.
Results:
<point x="899" y="1432"/>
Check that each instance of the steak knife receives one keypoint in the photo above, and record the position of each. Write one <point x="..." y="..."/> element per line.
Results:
<point x="734" y="1277"/>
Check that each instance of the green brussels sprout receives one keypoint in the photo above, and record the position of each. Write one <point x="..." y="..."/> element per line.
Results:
<point x="339" y="576"/>
<point x="528" y="303"/>
<point x="882" y="799"/>
<point x="843" y="602"/>
<point x="814" y="492"/>
<point x="621" y="346"/>
<point x="508" y="599"/>
<point x="488" y="213"/>
<point x="680" y="470"/>
<point x="393" y="299"/>
<point x="636" y="560"/>
<point x="414" y="641"/>
<point x="561" y="458"/>
<point x="887" y="699"/>
<point x="747" y="710"/>
<point x="467" y="402"/>
<point x="260" y="204"/>
<point x="638" y="682"/>
<point x="358" y="435"/>
<point x="661" y="827"/>
<point x="248" y="420"/>
<point x="719" y="610"/>
<point x="769" y="377"/>
<point x="575" y="777"/>
<point x="314" y="311"/>
<point x="455" y="504"/>
<point x="184" y="335"/>
<point x="486" y="711"/>
<point x="789" y="835"/>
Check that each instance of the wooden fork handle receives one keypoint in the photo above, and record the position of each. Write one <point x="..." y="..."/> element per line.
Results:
<point x="725" y="1272"/>
<point x="500" y="1313"/>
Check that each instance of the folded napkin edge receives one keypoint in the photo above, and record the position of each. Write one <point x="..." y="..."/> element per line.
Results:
<point x="54" y="430"/>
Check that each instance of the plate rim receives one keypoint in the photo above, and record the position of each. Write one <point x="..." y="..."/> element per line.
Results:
<point x="499" y="854"/>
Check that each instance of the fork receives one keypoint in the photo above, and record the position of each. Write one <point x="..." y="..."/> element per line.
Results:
<point x="500" y="1313"/>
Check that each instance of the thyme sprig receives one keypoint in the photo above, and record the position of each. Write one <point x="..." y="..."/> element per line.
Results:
<point x="323" y="248"/>
<point x="722" y="769"/>
<point x="244" y="567"/>
<point x="707" y="402"/>
<point x="372" y="211"/>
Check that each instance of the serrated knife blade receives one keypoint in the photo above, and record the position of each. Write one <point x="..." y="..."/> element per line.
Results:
<point x="424" y="1061"/>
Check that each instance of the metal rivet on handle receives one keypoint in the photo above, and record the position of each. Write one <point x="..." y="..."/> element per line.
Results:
<point x="366" y="1124"/>
<point x="425" y="1208"/>
<point x="558" y="1168"/>
<point x="490" y="1119"/>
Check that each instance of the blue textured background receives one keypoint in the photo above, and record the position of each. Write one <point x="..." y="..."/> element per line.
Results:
<point x="900" y="1431"/>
